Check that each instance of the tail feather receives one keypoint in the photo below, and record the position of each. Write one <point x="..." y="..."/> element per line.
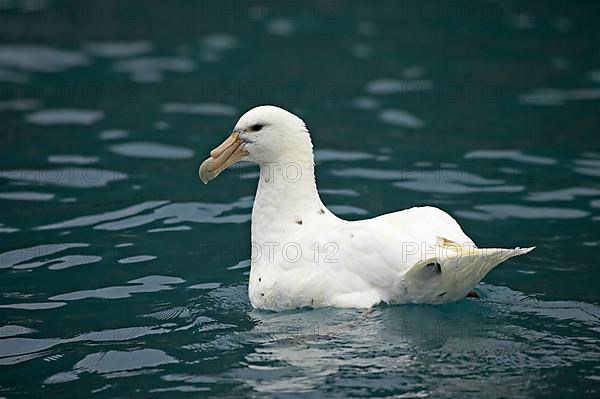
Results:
<point x="480" y="261"/>
<point x="456" y="273"/>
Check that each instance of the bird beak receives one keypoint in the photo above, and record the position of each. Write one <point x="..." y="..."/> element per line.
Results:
<point x="222" y="157"/>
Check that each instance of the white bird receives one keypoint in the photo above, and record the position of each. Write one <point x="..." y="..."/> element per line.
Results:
<point x="305" y="256"/>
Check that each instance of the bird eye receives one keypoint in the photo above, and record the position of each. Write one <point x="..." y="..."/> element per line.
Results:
<point x="256" y="127"/>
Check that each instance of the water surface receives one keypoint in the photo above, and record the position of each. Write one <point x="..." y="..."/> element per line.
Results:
<point x="121" y="275"/>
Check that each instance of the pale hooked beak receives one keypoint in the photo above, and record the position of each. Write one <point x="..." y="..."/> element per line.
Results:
<point x="222" y="157"/>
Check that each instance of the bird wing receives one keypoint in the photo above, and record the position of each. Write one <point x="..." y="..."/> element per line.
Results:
<point x="375" y="254"/>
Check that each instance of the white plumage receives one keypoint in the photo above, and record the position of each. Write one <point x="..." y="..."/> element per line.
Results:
<point x="304" y="255"/>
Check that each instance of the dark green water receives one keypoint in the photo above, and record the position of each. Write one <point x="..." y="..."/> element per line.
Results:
<point x="122" y="276"/>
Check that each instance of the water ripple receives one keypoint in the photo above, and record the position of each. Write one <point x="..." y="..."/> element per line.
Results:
<point x="513" y="155"/>
<point x="67" y="177"/>
<point x="566" y="194"/>
<point x="20" y="104"/>
<point x="342" y="156"/>
<point x="26" y="196"/>
<point x="11" y="330"/>
<point x="175" y="213"/>
<point x="220" y="41"/>
<point x="19" y="349"/>
<point x="347" y="210"/>
<point x="17" y="256"/>
<point x="152" y="150"/>
<point x="73" y="159"/>
<point x="140" y="285"/>
<point x="588" y="167"/>
<point x="148" y="69"/>
<point x="552" y="96"/>
<point x="33" y="305"/>
<point x="504" y="211"/>
<point x="391" y="86"/>
<point x="136" y="259"/>
<point x="39" y="58"/>
<point x="7" y="75"/>
<point x="64" y="262"/>
<point x="113" y="363"/>
<point x="199" y="109"/>
<point x="445" y="181"/>
<point x="118" y="49"/>
<point x="114" y="134"/>
<point x="64" y="116"/>
<point x="303" y="351"/>
<point x="103" y="217"/>
<point x="401" y="118"/>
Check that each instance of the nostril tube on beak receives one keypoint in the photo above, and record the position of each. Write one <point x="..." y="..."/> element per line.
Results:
<point x="225" y="155"/>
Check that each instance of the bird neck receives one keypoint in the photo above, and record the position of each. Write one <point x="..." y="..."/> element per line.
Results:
<point x="287" y="195"/>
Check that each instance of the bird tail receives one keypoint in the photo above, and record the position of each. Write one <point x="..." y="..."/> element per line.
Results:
<point x="453" y="273"/>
